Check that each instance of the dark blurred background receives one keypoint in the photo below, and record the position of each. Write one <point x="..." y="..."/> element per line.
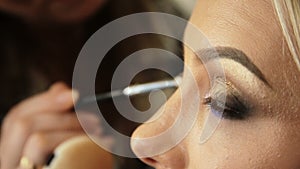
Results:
<point x="35" y="53"/>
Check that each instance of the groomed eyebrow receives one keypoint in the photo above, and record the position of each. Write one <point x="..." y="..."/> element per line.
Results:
<point x="233" y="54"/>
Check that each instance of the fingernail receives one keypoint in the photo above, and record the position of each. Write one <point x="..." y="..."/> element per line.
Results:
<point x="88" y="118"/>
<point x="91" y="123"/>
<point x="108" y="141"/>
<point x="64" y="96"/>
<point x="96" y="131"/>
<point x="57" y="86"/>
<point x="75" y="95"/>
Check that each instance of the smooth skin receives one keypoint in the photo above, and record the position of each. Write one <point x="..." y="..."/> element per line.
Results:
<point x="269" y="136"/>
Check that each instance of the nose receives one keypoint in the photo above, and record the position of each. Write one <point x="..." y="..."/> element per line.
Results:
<point x="153" y="142"/>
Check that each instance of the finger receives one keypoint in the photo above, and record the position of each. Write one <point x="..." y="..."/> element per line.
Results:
<point x="21" y="110"/>
<point x="22" y="128"/>
<point x="56" y="99"/>
<point x="40" y="145"/>
<point x="52" y="122"/>
<point x="90" y="122"/>
<point x="58" y="86"/>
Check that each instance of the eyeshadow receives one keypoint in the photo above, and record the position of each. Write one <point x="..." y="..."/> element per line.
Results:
<point x="225" y="100"/>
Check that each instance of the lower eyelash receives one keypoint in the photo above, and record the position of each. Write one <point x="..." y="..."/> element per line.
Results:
<point x="227" y="113"/>
<point x="208" y="101"/>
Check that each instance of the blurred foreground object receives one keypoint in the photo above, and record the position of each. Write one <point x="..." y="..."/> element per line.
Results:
<point x="80" y="153"/>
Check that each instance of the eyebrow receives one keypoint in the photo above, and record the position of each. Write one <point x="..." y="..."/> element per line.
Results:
<point x="233" y="54"/>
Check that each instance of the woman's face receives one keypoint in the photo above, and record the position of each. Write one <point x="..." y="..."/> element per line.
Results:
<point x="53" y="10"/>
<point x="260" y="126"/>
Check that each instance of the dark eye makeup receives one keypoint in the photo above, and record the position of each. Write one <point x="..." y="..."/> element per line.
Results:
<point x="225" y="101"/>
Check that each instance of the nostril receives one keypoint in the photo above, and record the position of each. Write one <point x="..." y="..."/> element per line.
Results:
<point x="149" y="161"/>
<point x="140" y="151"/>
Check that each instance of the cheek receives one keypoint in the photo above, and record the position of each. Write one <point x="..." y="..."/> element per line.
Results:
<point x="248" y="145"/>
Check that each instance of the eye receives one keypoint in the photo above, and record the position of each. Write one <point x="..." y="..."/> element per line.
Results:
<point x="226" y="111"/>
<point x="232" y="108"/>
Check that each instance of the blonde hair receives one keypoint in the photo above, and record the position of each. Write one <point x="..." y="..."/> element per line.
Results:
<point x="288" y="12"/>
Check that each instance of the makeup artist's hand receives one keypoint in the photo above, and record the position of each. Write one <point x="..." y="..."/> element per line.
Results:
<point x="37" y="125"/>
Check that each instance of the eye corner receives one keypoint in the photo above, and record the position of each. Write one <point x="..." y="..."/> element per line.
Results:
<point x="227" y="103"/>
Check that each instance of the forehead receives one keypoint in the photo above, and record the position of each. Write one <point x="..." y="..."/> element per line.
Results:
<point x="254" y="21"/>
<point x="247" y="25"/>
<point x="251" y="26"/>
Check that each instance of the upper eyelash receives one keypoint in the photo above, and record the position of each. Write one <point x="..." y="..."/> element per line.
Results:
<point x="235" y="114"/>
<point x="238" y="111"/>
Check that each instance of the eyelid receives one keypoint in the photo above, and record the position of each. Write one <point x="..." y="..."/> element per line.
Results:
<point x="225" y="87"/>
<point x="232" y="99"/>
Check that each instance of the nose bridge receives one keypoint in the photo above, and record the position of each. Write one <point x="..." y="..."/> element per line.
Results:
<point x="160" y="142"/>
<point x="181" y="108"/>
<point x="161" y="121"/>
